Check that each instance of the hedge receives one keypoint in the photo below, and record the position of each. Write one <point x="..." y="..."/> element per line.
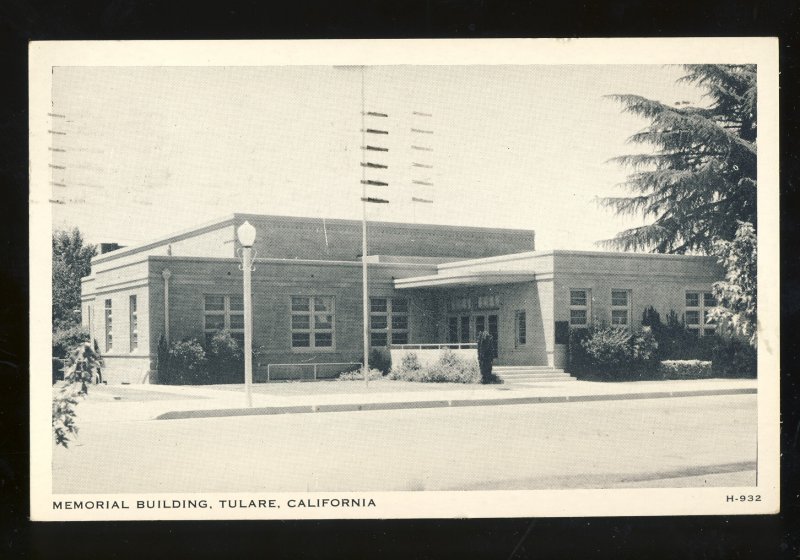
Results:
<point x="685" y="369"/>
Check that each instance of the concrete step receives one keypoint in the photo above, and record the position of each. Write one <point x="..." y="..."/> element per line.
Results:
<point x="528" y="371"/>
<point x="517" y="368"/>
<point x="537" y="379"/>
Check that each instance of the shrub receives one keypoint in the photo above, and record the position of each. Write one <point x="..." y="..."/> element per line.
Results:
<point x="613" y="352"/>
<point x="448" y="368"/>
<point x="685" y="369"/>
<point x="84" y="365"/>
<point x="380" y="360"/>
<point x="225" y="359"/>
<point x="187" y="363"/>
<point x="66" y="340"/>
<point x="357" y="374"/>
<point x="733" y="357"/>
<point x="409" y="364"/>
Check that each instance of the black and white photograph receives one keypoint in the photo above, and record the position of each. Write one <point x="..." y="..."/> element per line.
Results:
<point x="393" y="279"/>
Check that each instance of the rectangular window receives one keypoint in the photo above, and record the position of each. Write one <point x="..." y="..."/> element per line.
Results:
<point x="579" y="302"/>
<point x="698" y="306"/>
<point x="388" y="321"/>
<point x="109" y="330"/>
<point x="522" y="328"/>
<point x="224" y="312"/>
<point x="312" y="322"/>
<point x="620" y="307"/>
<point x="134" y="324"/>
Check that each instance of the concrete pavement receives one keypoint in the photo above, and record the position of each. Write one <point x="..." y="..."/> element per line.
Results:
<point x="148" y="402"/>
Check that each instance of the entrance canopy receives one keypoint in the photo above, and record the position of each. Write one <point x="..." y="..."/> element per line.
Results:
<point x="462" y="278"/>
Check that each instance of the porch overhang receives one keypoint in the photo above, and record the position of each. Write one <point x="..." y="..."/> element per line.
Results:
<point x="458" y="279"/>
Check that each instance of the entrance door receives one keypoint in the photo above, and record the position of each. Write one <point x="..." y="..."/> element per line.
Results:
<point x="480" y="325"/>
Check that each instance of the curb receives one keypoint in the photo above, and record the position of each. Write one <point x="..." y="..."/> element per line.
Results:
<point x="444" y="403"/>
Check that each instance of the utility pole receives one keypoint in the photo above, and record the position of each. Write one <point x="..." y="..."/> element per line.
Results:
<point x="365" y="147"/>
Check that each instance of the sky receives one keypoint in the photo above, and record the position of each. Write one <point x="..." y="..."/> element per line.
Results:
<point x="148" y="151"/>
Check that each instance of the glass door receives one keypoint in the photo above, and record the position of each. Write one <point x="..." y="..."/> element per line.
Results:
<point x="492" y="320"/>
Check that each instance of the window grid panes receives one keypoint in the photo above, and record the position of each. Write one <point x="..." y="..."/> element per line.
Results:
<point x="224" y="312"/>
<point x="108" y="324"/>
<point x="579" y="308"/>
<point x="312" y="322"/>
<point x="134" y="324"/>
<point x="698" y="307"/>
<point x="388" y="321"/>
<point x="522" y="330"/>
<point x="620" y="307"/>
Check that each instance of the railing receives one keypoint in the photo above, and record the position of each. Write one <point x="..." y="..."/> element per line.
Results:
<point x="314" y="365"/>
<point x="451" y="346"/>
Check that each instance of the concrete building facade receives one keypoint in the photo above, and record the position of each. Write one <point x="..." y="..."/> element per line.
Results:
<point x="428" y="284"/>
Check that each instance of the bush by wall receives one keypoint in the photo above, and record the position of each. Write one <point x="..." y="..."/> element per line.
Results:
<point x="225" y="359"/>
<point x="733" y="357"/>
<point x="613" y="353"/>
<point x="685" y="369"/>
<point x="380" y="360"/>
<point x="186" y="364"/>
<point x="357" y="374"/>
<point x="65" y="341"/>
<point x="448" y="368"/>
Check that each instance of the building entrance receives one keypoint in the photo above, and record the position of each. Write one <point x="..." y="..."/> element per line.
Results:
<point x="466" y="327"/>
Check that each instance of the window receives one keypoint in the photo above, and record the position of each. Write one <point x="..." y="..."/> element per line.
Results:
<point x="620" y="307"/>
<point x="579" y="301"/>
<point x="224" y="312"/>
<point x="388" y="321"/>
<point x="698" y="306"/>
<point x="312" y="320"/>
<point x="522" y="331"/>
<point x="109" y="332"/>
<point x="134" y="324"/>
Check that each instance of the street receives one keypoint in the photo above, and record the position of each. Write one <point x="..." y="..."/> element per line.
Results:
<point x="669" y="442"/>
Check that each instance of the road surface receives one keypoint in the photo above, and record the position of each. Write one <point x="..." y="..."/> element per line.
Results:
<point x="670" y="442"/>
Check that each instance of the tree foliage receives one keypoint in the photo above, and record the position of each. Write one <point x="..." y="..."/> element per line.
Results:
<point x="72" y="260"/>
<point x="83" y="365"/>
<point x="737" y="294"/>
<point x="700" y="178"/>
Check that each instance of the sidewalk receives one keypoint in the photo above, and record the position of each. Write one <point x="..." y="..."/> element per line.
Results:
<point x="165" y="402"/>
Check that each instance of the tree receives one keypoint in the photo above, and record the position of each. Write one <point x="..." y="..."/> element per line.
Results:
<point x="737" y="294"/>
<point x="700" y="179"/>
<point x="72" y="260"/>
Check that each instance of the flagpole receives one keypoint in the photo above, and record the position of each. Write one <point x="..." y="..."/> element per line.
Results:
<point x="365" y="309"/>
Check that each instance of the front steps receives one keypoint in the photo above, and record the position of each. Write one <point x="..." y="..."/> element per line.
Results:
<point x="531" y="374"/>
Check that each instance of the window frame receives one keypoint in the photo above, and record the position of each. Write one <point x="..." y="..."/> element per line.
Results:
<point x="226" y="312"/>
<point x="520" y="329"/>
<point x="133" y="322"/>
<point x="701" y="327"/>
<point x="586" y="307"/>
<point x="388" y="315"/>
<point x="312" y="329"/>
<point x="626" y="308"/>
<point x="108" y="318"/>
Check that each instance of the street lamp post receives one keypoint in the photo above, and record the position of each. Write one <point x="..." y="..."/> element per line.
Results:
<point x="247" y="237"/>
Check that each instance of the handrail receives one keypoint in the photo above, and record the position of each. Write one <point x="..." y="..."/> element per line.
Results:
<point x="450" y="346"/>
<point x="314" y="364"/>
